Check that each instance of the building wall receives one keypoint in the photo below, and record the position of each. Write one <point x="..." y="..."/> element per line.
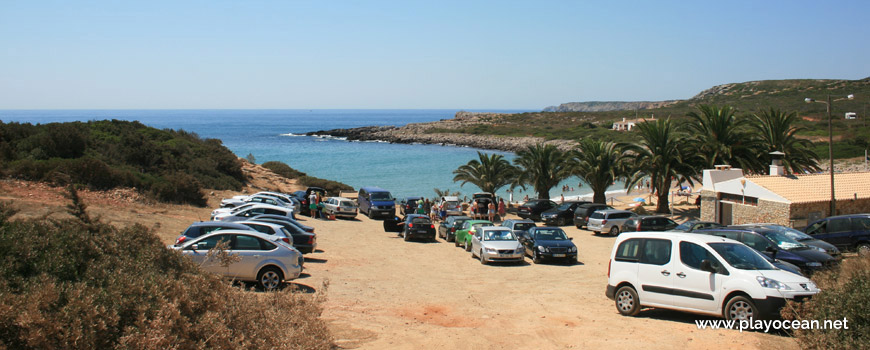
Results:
<point x="708" y="206"/>
<point x="803" y="213"/>
<point x="765" y="212"/>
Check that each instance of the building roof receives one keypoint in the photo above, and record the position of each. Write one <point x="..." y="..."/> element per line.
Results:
<point x="816" y="187"/>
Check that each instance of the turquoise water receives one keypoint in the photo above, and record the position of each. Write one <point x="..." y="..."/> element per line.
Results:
<point x="405" y="170"/>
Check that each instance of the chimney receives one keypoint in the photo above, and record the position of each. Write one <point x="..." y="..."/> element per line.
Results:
<point x="776" y="168"/>
<point x="722" y="167"/>
<point x="623" y="119"/>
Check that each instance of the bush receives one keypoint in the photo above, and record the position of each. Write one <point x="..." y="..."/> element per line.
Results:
<point x="179" y="188"/>
<point x="845" y="293"/>
<point x="283" y="170"/>
<point x="331" y="187"/>
<point x="99" y="287"/>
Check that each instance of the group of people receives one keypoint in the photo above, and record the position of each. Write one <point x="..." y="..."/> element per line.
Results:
<point x="477" y="212"/>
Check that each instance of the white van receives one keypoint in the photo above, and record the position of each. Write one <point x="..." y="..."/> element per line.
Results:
<point x="698" y="273"/>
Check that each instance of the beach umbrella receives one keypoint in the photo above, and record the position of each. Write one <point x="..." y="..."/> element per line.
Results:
<point x="639" y="199"/>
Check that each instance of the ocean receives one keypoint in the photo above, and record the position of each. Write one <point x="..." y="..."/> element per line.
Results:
<point x="404" y="169"/>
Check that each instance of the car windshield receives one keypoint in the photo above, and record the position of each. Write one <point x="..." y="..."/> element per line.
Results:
<point x="685" y="227"/>
<point x="347" y="204"/>
<point x="476" y="226"/>
<point x="792" y="233"/>
<point x="499" y="235"/>
<point x="741" y="257"/>
<point x="550" y="235"/>
<point x="565" y="206"/>
<point x="381" y="196"/>
<point x="783" y="240"/>
<point x="420" y="220"/>
<point x="452" y="204"/>
<point x="523" y="226"/>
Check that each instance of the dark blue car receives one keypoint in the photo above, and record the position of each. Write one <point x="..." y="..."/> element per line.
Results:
<point x="806" y="258"/>
<point x="847" y="232"/>
<point x="548" y="243"/>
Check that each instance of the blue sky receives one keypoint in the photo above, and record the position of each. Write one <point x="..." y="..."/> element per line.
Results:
<point x="412" y="54"/>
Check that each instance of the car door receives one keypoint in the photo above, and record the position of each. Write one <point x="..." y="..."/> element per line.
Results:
<point x="476" y="243"/>
<point x="694" y="288"/>
<point x="528" y="242"/>
<point x="200" y="254"/>
<point x="249" y="253"/>
<point x="840" y="233"/>
<point x="656" y="272"/>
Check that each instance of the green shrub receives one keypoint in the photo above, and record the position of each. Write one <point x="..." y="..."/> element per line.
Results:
<point x="283" y="170"/>
<point x="331" y="187"/>
<point x="845" y="293"/>
<point x="67" y="285"/>
<point x="179" y="188"/>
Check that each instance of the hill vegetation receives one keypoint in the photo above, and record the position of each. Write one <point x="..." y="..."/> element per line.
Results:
<point x="331" y="187"/>
<point x="745" y="98"/>
<point x="167" y="165"/>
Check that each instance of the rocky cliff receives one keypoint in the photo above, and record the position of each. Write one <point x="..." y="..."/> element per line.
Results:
<point x="605" y="106"/>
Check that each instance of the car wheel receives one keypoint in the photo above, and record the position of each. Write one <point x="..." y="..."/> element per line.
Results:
<point x="561" y="222"/>
<point x="864" y="249"/>
<point x="467" y="245"/>
<point x="482" y="259"/>
<point x="270" y="278"/>
<point x="627" y="302"/>
<point x="536" y="258"/>
<point x="455" y="242"/>
<point x="740" y="308"/>
<point x="449" y="238"/>
<point x="614" y="231"/>
<point x="406" y="236"/>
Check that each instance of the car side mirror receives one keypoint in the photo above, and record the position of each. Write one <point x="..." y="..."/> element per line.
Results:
<point x="773" y="250"/>
<point x="706" y="265"/>
<point x="570" y="238"/>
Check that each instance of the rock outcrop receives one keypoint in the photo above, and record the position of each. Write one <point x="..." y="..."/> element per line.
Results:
<point x="606" y="106"/>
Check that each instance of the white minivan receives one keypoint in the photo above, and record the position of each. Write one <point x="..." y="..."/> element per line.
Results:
<point x="700" y="274"/>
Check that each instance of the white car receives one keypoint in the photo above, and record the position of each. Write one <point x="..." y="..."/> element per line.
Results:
<point x="340" y="207"/>
<point x="244" y="212"/>
<point x="496" y="243"/>
<point x="258" y="198"/>
<point x="452" y="205"/>
<point x="265" y="262"/>
<point x="700" y="274"/>
<point x="226" y="210"/>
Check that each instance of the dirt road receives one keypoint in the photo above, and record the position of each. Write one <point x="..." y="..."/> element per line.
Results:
<point x="387" y="293"/>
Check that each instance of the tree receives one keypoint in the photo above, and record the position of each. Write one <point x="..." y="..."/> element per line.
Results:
<point x="722" y="138"/>
<point x="775" y="132"/>
<point x="599" y="164"/>
<point x="543" y="167"/>
<point x="489" y="172"/>
<point x="662" y="156"/>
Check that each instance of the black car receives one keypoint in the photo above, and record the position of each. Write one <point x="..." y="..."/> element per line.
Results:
<point x="205" y="227"/>
<point x="447" y="228"/>
<point x="648" y="223"/>
<point x="561" y="215"/>
<point x="483" y="199"/>
<point x="408" y="205"/>
<point x="304" y="242"/>
<point x="418" y="226"/>
<point x="542" y="243"/>
<point x="582" y="213"/>
<point x="800" y="237"/>
<point x="306" y="202"/>
<point x="807" y="259"/>
<point x="847" y="232"/>
<point x="532" y="209"/>
<point x="694" y="225"/>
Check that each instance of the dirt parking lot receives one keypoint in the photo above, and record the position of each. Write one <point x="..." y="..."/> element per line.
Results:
<point x="387" y="293"/>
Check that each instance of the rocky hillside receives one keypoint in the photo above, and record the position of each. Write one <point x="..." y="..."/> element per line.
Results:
<point x="605" y="106"/>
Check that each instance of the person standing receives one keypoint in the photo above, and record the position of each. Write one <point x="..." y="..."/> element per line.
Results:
<point x="490" y="212"/>
<point x="420" y="209"/>
<point x="474" y="209"/>
<point x="502" y="211"/>
<point x="319" y="206"/>
<point x="312" y="204"/>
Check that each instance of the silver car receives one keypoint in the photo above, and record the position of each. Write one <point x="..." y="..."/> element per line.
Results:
<point x="254" y="210"/>
<point x="260" y="260"/>
<point x="275" y="232"/>
<point x="496" y="243"/>
<point x="340" y="207"/>
<point x="610" y="221"/>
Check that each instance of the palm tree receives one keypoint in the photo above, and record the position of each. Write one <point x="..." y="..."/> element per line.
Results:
<point x="776" y="133"/>
<point x="489" y="172"/>
<point x="543" y="167"/>
<point x="599" y="164"/>
<point x="721" y="138"/>
<point x="664" y="157"/>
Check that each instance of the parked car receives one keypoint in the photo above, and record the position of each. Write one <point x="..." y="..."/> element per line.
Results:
<point x="807" y="259"/>
<point x="801" y="237"/>
<point x="469" y="227"/>
<point x="648" y="223"/>
<point x="408" y="205"/>
<point x="228" y="210"/>
<point x="452" y="205"/>
<point x="533" y="208"/>
<point x="256" y="198"/>
<point x="518" y="227"/>
<point x="496" y="243"/>
<point x="298" y="224"/>
<point x="418" y="226"/>
<point x="244" y="213"/>
<point x="340" y="207"/>
<point x="375" y="201"/>
<point x="265" y="262"/>
<point x="306" y="200"/>
<point x="847" y="232"/>
<point x="483" y="200"/>
<point x="699" y="274"/>
<point x="694" y="225"/>
<point x="305" y="242"/>
<point x="549" y="243"/>
<point x="447" y="228"/>
<point x="205" y="227"/>
<point x="582" y="213"/>
<point x="275" y="231"/>
<point x="561" y="215"/>
<point x="609" y="221"/>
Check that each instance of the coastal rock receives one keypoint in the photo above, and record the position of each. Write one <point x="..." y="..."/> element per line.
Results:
<point x="606" y="106"/>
